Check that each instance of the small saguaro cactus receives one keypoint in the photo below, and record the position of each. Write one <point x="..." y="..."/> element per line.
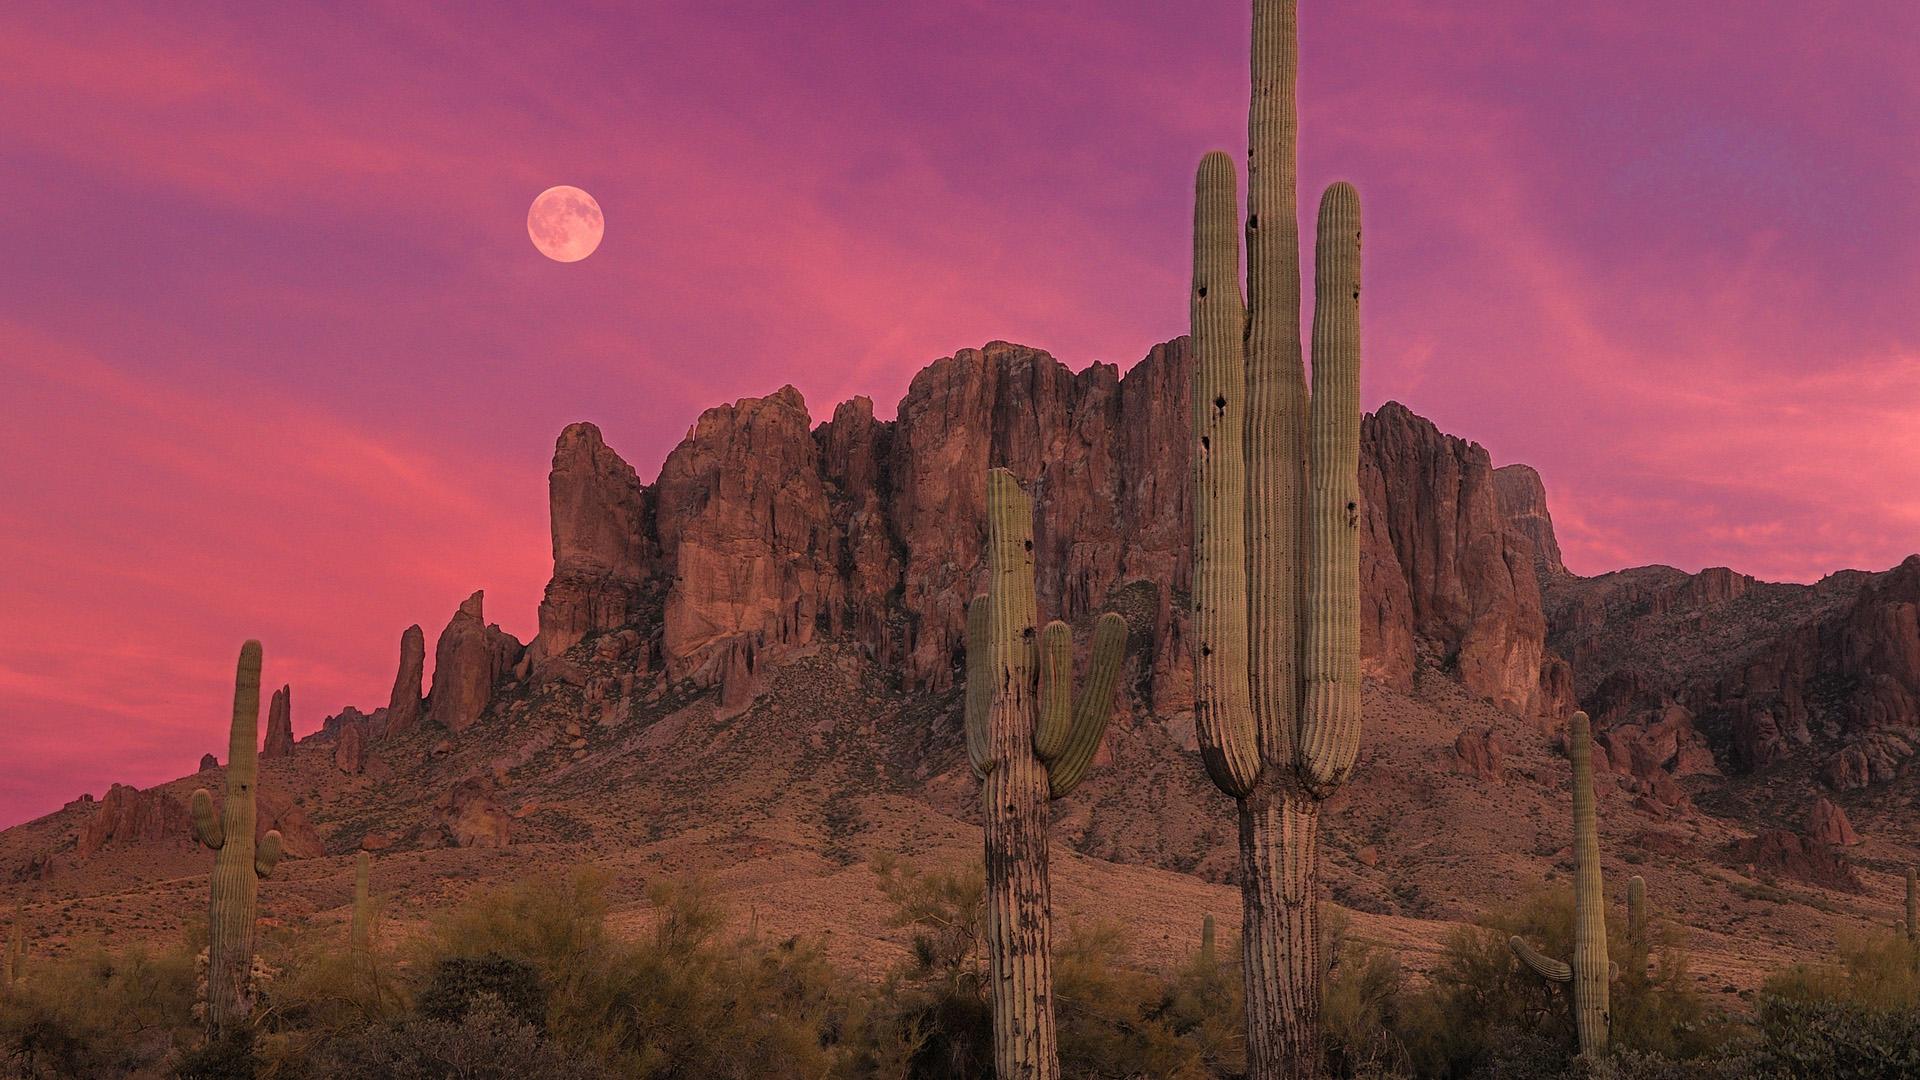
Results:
<point x="1590" y="971"/>
<point x="1207" y="947"/>
<point x="1029" y="741"/>
<point x="1276" y="505"/>
<point x="360" y="933"/>
<point x="1913" y="904"/>
<point x="13" y="965"/>
<point x="239" y="864"/>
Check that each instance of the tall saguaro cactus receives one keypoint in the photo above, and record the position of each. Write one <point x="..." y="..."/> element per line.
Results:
<point x="1913" y="904"/>
<point x="1029" y="741"/>
<point x="239" y="865"/>
<point x="1590" y="971"/>
<point x="13" y="963"/>
<point x="1276" y="541"/>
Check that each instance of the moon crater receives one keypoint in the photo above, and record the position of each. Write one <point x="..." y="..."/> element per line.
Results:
<point x="565" y="224"/>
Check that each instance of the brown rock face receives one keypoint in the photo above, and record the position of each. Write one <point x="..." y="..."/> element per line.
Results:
<point x="1480" y="753"/>
<point x="744" y="520"/>
<point x="350" y="746"/>
<point x="761" y="534"/>
<point x="469" y="659"/>
<point x="208" y="761"/>
<point x="130" y="816"/>
<point x="1472" y="593"/>
<point x="1781" y="853"/>
<point x="1828" y="824"/>
<point x="404" y="706"/>
<point x="279" y="725"/>
<point x="1523" y="503"/>
<point x="298" y="838"/>
<point x="603" y="551"/>
<point x="1855" y="673"/>
<point x="471" y="816"/>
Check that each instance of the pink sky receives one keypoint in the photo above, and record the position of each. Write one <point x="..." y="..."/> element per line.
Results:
<point x="278" y="360"/>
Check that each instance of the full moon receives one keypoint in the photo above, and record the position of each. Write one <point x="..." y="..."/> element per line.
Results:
<point x="565" y="224"/>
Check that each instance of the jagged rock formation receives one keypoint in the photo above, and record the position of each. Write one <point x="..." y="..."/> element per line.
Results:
<point x="1784" y="853"/>
<point x="603" y="551"/>
<point x="208" y="761"/>
<point x="1479" y="752"/>
<point x="469" y="659"/>
<point x="761" y="534"/>
<point x="404" y="706"/>
<point x="1471" y="597"/>
<point x="1828" y="824"/>
<point x="1523" y="501"/>
<point x="279" y="741"/>
<point x="129" y="815"/>
<point x="471" y="816"/>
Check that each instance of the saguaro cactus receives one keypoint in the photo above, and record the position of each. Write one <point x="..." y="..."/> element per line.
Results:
<point x="1590" y="971"/>
<point x="1276" y="542"/>
<point x="360" y="932"/>
<point x="13" y="964"/>
<point x="1029" y="741"/>
<point x="1913" y="904"/>
<point x="1639" y="938"/>
<point x="238" y="866"/>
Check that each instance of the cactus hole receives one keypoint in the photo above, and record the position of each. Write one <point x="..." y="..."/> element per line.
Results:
<point x="1203" y="292"/>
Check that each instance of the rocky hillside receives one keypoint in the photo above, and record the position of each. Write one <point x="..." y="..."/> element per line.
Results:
<point x="747" y="668"/>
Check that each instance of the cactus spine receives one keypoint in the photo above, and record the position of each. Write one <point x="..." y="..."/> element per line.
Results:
<point x="1030" y="742"/>
<point x="1590" y="971"/>
<point x="238" y="866"/>
<point x="1276" y="541"/>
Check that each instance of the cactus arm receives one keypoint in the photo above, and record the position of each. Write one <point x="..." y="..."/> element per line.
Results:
<point x="1055" y="725"/>
<point x="1544" y="966"/>
<point x="1223" y="710"/>
<point x="268" y="854"/>
<point x="206" y="824"/>
<point x="1093" y="709"/>
<point x="979" y="694"/>
<point x="1638" y="941"/>
<point x="1330" y="720"/>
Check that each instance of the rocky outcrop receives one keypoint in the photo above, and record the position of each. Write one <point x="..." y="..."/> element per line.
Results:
<point x="404" y="707"/>
<point x="1828" y="824"/>
<point x="279" y="741"/>
<point x="1523" y="503"/>
<point x="1874" y="757"/>
<point x="1472" y="595"/>
<point x="470" y="658"/>
<point x="298" y="837"/>
<point x="1853" y="673"/>
<point x="761" y="534"/>
<point x="603" y="550"/>
<point x="1781" y="853"/>
<point x="208" y="761"/>
<point x="744" y="522"/>
<point x="350" y="745"/>
<point x="1480" y="753"/>
<point x="472" y="817"/>
<point x="128" y="815"/>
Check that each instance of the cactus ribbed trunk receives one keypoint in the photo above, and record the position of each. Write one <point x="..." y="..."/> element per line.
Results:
<point x="1592" y="1016"/>
<point x="230" y="915"/>
<point x="1280" y="876"/>
<point x="360" y="932"/>
<point x="239" y="864"/>
<point x="1014" y="801"/>
<point x="1276" y="583"/>
<point x="1913" y="904"/>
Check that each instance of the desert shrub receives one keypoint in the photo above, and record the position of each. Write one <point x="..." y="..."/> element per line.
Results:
<point x="487" y="1043"/>
<point x="458" y="982"/>
<point x="98" y="1014"/>
<point x="229" y="1056"/>
<point x="1801" y="1039"/>
<point x="557" y="929"/>
<point x="1876" y="970"/>
<point x="1483" y="1014"/>
<point x="1360" y="1011"/>
<point x="1206" y="1006"/>
<point x="1115" y="1022"/>
<point x="931" y="1019"/>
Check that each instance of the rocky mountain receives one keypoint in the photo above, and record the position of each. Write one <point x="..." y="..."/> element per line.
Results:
<point x="748" y="668"/>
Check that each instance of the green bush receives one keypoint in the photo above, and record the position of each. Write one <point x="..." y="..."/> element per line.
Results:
<point x="99" y="1014"/>
<point x="1828" y="1039"/>
<point x="458" y="982"/>
<point x="487" y="1043"/>
<point x="228" y="1057"/>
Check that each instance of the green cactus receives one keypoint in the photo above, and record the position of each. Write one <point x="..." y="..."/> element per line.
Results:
<point x="1913" y="905"/>
<point x="360" y="932"/>
<point x="1029" y="741"/>
<point x="1590" y="972"/>
<point x="13" y="964"/>
<point x="238" y="866"/>
<point x="1207" y="958"/>
<point x="1276" y="542"/>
